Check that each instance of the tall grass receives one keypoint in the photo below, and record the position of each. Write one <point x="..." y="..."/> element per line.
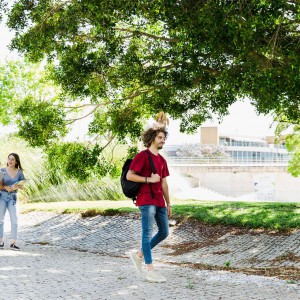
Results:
<point x="41" y="185"/>
<point x="96" y="189"/>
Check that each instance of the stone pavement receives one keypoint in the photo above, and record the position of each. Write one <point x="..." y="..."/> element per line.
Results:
<point x="68" y="257"/>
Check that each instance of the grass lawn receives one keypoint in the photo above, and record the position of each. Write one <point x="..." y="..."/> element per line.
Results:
<point x="268" y="215"/>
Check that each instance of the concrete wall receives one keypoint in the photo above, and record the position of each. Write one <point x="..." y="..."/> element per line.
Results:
<point x="268" y="183"/>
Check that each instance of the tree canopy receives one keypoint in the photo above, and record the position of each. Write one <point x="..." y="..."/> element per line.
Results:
<point x="127" y="60"/>
<point x="35" y="105"/>
<point x="32" y="102"/>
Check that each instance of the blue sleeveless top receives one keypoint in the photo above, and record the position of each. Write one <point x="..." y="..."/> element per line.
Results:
<point x="8" y="181"/>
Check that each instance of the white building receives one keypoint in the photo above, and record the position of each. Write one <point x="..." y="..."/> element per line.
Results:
<point x="240" y="148"/>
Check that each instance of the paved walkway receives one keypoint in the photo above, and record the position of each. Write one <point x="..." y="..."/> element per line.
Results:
<point x="67" y="257"/>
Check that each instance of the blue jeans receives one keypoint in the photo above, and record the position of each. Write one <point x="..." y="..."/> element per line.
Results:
<point x="149" y="213"/>
<point x="8" y="201"/>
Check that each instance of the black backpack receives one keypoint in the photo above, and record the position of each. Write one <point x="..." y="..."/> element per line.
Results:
<point x="131" y="188"/>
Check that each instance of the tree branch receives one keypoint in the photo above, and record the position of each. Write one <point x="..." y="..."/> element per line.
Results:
<point x="75" y="107"/>
<point x="136" y="94"/>
<point x="265" y="62"/>
<point x="53" y="9"/>
<point x="108" y="142"/>
<point x="161" y="38"/>
<point x="70" y="121"/>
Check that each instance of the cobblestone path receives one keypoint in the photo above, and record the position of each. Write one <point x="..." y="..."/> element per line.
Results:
<point x="67" y="257"/>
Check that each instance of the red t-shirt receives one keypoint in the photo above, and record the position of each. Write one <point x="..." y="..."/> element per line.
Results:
<point x="141" y="166"/>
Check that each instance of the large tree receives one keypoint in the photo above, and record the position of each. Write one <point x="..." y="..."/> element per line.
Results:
<point x="32" y="102"/>
<point x="130" y="59"/>
<point x="29" y="100"/>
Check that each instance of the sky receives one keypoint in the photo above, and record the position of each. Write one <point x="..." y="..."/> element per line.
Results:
<point x="5" y="36"/>
<point x="242" y="119"/>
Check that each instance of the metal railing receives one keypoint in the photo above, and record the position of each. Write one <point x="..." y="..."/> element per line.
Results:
<point x="227" y="161"/>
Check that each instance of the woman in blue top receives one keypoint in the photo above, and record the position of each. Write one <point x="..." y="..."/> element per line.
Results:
<point x="8" y="197"/>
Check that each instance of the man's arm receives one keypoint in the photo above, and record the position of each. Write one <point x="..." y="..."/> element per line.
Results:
<point x="132" y="176"/>
<point x="165" y="189"/>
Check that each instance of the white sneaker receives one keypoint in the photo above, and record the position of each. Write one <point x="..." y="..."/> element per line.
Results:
<point x="154" y="276"/>
<point x="137" y="262"/>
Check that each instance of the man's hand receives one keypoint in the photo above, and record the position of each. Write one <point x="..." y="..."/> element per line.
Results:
<point x="154" y="178"/>
<point x="169" y="209"/>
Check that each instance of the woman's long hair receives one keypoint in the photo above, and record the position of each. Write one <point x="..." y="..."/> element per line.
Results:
<point x="18" y="162"/>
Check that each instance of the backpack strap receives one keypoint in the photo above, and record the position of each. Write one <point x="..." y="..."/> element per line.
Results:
<point x="153" y="169"/>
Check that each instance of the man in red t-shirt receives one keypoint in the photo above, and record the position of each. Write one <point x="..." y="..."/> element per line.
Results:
<point x="154" y="207"/>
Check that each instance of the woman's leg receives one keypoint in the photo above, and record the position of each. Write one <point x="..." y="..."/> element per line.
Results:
<point x="12" y="209"/>
<point x="2" y="216"/>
